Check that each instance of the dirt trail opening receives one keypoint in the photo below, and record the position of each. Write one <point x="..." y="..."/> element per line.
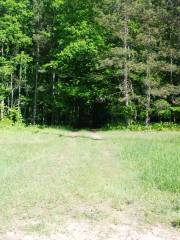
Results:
<point x="74" y="230"/>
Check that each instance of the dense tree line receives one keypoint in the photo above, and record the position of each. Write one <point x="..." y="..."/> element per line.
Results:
<point x="88" y="62"/>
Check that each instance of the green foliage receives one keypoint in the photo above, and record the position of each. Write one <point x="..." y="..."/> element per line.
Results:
<point x="162" y="126"/>
<point x="78" y="62"/>
<point x="15" y="115"/>
<point x="175" y="109"/>
<point x="128" y="111"/>
<point x="162" y="108"/>
<point x="11" y="116"/>
<point x="6" y="122"/>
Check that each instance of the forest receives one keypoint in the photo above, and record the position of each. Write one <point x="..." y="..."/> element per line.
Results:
<point x="88" y="63"/>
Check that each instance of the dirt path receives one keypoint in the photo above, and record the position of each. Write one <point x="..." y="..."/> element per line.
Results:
<point x="127" y="227"/>
<point x="91" y="135"/>
<point x="74" y="230"/>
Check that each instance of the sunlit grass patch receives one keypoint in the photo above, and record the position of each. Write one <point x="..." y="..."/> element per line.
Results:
<point x="46" y="176"/>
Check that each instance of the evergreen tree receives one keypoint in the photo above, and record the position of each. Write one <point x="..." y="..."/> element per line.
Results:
<point x="87" y="62"/>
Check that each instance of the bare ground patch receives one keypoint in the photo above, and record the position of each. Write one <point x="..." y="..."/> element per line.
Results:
<point x="83" y="230"/>
<point x="99" y="223"/>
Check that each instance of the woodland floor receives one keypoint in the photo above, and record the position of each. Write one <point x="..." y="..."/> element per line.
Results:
<point x="62" y="185"/>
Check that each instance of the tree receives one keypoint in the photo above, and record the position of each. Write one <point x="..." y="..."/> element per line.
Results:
<point x="87" y="63"/>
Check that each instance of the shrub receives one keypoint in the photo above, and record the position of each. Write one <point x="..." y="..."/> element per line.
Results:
<point x="12" y="117"/>
<point x="162" y="108"/>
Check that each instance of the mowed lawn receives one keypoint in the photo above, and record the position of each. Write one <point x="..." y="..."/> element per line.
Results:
<point x="50" y="175"/>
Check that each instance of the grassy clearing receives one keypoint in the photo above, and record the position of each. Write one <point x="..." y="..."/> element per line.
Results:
<point x="47" y="176"/>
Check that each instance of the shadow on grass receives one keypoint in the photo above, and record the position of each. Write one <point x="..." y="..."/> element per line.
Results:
<point x="94" y="138"/>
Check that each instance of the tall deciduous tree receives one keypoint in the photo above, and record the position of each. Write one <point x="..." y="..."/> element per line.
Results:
<point x="88" y="62"/>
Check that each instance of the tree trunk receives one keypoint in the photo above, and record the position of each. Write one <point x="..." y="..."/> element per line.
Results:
<point x="12" y="91"/>
<point x="171" y="68"/>
<point x="36" y="86"/>
<point x="2" y="101"/>
<point x="53" y="97"/>
<point x="2" y="109"/>
<point x="148" y="98"/>
<point x="148" y="88"/>
<point x="19" y="88"/>
<point x="126" y="89"/>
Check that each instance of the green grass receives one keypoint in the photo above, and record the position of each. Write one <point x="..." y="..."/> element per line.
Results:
<point x="46" y="176"/>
